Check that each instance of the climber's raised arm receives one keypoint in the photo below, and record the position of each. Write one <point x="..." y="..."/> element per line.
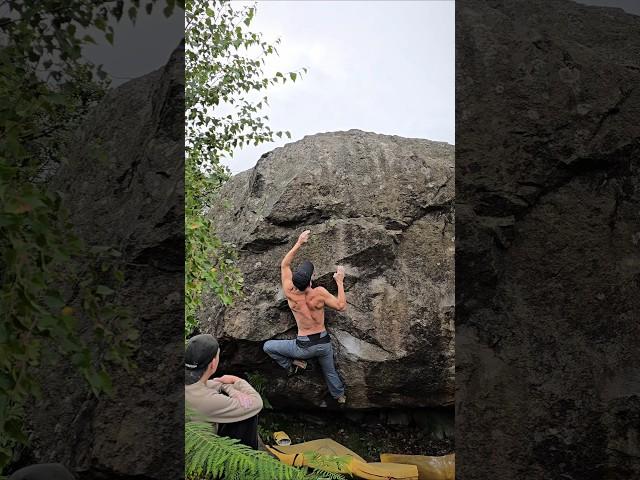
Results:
<point x="285" y="265"/>
<point x="337" y="303"/>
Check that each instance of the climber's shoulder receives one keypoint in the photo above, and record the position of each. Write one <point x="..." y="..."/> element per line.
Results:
<point x="316" y="296"/>
<point x="293" y="295"/>
<point x="318" y="291"/>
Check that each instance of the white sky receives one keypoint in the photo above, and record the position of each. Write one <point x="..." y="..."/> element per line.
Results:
<point x="381" y="66"/>
<point x="138" y="49"/>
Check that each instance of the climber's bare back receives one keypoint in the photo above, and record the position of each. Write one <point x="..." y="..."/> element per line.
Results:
<point x="308" y="305"/>
<point x="307" y="308"/>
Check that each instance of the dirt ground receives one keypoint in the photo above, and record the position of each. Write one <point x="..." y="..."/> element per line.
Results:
<point x="366" y="437"/>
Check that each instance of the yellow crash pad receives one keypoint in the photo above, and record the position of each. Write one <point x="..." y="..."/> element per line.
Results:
<point x="354" y="465"/>
<point x="429" y="468"/>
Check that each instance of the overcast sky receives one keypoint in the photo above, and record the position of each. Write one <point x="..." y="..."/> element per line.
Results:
<point x="385" y="67"/>
<point x="138" y="48"/>
<point x="380" y="66"/>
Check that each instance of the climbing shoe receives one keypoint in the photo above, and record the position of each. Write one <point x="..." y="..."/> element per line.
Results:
<point x="300" y="363"/>
<point x="297" y="366"/>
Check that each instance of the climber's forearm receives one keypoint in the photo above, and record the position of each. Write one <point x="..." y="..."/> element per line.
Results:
<point x="342" y="298"/>
<point x="288" y="258"/>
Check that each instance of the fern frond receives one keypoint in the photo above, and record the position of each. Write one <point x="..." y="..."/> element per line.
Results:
<point x="208" y="455"/>
<point x="325" y="465"/>
<point x="319" y="474"/>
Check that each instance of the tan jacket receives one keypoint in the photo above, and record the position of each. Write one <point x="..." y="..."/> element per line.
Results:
<point x="216" y="407"/>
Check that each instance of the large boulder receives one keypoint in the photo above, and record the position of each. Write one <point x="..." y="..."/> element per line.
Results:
<point x="547" y="238"/>
<point x="379" y="205"/>
<point x="131" y="199"/>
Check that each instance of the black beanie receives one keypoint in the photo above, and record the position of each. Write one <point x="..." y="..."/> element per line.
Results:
<point x="302" y="276"/>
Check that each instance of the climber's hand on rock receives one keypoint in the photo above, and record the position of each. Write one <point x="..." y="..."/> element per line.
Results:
<point x="339" y="275"/>
<point x="227" y="379"/>
<point x="304" y="236"/>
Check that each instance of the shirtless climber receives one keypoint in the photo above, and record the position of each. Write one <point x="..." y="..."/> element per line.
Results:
<point x="307" y="304"/>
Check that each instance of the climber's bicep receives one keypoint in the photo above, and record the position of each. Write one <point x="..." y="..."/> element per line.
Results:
<point x="328" y="299"/>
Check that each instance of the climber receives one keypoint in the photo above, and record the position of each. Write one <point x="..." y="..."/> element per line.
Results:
<point x="228" y="402"/>
<point x="307" y="304"/>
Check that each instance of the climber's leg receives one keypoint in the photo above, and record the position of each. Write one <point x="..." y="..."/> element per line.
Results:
<point x="324" y="352"/>
<point x="282" y="351"/>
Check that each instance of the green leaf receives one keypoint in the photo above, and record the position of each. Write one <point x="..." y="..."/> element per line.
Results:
<point x="293" y="76"/>
<point x="99" y="381"/>
<point x="58" y="98"/>
<point x="54" y="303"/>
<point x="13" y="428"/>
<point x="105" y="381"/>
<point x="119" y="275"/>
<point x="5" y="456"/>
<point x="82" y="359"/>
<point x="7" y="382"/>
<point x="104" y="290"/>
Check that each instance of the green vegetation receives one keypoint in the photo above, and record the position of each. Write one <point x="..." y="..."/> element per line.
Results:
<point x="224" y="63"/>
<point x="224" y="74"/>
<point x="52" y="284"/>
<point x="259" y="382"/>
<point x="210" y="456"/>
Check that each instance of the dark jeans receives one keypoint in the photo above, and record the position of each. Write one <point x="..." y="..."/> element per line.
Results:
<point x="246" y="431"/>
<point x="284" y="351"/>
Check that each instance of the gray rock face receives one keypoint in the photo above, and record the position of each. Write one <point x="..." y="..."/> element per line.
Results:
<point x="548" y="228"/>
<point x="133" y="200"/>
<point x="379" y="205"/>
